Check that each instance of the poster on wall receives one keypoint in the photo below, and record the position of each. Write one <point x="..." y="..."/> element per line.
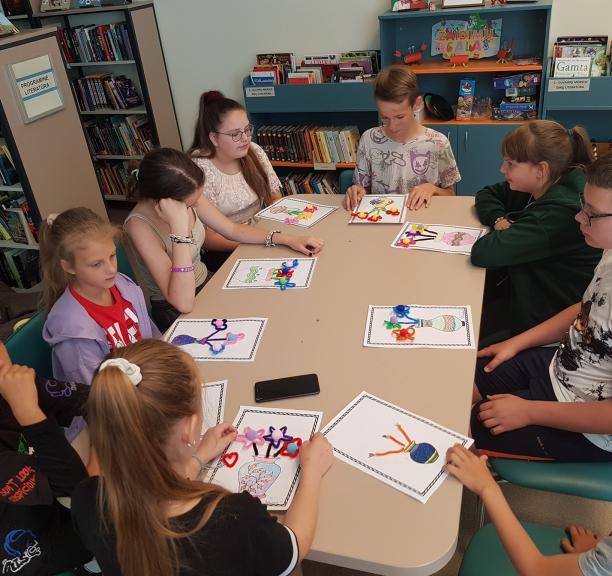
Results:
<point x="36" y="88"/>
<point x="476" y="37"/>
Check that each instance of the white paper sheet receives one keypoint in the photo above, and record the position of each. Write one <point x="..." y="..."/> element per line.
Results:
<point x="416" y="326"/>
<point x="296" y="212"/>
<point x="270" y="476"/>
<point x="383" y="209"/>
<point x="399" y="448"/>
<point x="213" y="400"/>
<point x="437" y="238"/>
<point x="218" y="339"/>
<point x="269" y="273"/>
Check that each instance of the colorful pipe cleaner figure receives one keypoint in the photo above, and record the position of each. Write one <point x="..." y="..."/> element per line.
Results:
<point x="416" y="233"/>
<point x="295" y="215"/>
<point x="423" y="453"/>
<point x="215" y="345"/>
<point x="380" y="206"/>
<point x="406" y="330"/>
<point x="276" y="436"/>
<point x="284" y="273"/>
<point x="252" y="438"/>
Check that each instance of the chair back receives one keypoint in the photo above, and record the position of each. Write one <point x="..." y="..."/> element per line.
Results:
<point x="27" y="347"/>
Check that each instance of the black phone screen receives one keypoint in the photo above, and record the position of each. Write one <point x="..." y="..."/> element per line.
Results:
<point x="304" y="385"/>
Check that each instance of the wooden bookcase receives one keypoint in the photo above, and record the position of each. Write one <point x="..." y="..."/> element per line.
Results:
<point x="147" y="71"/>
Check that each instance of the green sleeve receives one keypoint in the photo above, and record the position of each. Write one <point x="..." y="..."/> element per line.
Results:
<point x="492" y="202"/>
<point x="527" y="240"/>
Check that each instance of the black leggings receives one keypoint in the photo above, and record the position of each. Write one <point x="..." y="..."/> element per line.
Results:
<point x="526" y="375"/>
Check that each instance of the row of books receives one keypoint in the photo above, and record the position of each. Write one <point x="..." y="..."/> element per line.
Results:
<point x="314" y="144"/>
<point x="104" y="43"/>
<point x="280" y="68"/>
<point x="119" y="135"/>
<point x="310" y="183"/>
<point x="8" y="174"/>
<point x="19" y="267"/>
<point x="16" y="224"/>
<point x="588" y="51"/>
<point x="114" y="177"/>
<point x="105" y="92"/>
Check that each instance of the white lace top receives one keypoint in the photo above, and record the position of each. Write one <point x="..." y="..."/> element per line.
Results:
<point x="230" y="193"/>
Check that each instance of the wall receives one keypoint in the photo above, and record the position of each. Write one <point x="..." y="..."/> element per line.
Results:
<point x="211" y="44"/>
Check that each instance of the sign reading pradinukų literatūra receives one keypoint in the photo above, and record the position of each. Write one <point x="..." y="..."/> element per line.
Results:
<point x="36" y="87"/>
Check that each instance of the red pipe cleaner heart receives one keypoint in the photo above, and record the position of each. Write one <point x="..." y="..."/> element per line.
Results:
<point x="230" y="459"/>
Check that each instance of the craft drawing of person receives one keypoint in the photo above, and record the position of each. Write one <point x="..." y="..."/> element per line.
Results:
<point x="421" y="453"/>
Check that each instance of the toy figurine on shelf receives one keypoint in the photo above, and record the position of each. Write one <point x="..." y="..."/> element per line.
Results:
<point x="402" y="5"/>
<point x="459" y="59"/>
<point x="500" y="2"/>
<point x="504" y="54"/>
<point x="412" y="56"/>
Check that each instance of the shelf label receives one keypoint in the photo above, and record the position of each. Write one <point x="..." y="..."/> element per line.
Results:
<point x="260" y="91"/>
<point x="569" y="84"/>
<point x="324" y="165"/>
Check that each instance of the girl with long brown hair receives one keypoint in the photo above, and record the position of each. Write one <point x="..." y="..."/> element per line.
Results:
<point x="538" y="262"/>
<point x="148" y="514"/>
<point x="166" y="228"/>
<point x="239" y="179"/>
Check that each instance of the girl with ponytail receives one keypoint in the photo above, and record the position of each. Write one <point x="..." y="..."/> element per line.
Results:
<point x="538" y="261"/>
<point x="148" y="513"/>
<point x="239" y="179"/>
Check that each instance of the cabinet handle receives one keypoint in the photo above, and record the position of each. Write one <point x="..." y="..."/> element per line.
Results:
<point x="465" y="141"/>
<point x="448" y="135"/>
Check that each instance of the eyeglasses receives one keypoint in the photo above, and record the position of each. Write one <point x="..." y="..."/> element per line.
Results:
<point x="237" y="134"/>
<point x="590" y="217"/>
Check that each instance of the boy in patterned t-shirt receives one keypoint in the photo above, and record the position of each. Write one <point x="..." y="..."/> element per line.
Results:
<point x="547" y="404"/>
<point x="401" y="156"/>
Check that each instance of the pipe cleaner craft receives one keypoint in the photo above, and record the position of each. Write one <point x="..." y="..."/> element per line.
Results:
<point x="437" y="237"/>
<point x="423" y="453"/>
<point x="379" y="207"/>
<point x="216" y="340"/>
<point x="296" y="214"/>
<point x="403" y="326"/>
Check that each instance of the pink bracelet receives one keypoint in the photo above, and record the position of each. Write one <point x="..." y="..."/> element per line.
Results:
<point x="185" y="269"/>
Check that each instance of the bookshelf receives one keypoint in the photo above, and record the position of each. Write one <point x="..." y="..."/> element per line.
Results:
<point x="43" y="152"/>
<point x="123" y="42"/>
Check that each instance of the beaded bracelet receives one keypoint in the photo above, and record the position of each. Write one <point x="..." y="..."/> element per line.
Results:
<point x="178" y="239"/>
<point x="182" y="269"/>
<point x="269" y="238"/>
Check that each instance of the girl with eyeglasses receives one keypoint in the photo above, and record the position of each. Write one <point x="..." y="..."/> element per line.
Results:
<point x="167" y="231"/>
<point x="239" y="179"/>
<point x="536" y="258"/>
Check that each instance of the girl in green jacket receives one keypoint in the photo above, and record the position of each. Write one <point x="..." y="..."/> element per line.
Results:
<point x="538" y="262"/>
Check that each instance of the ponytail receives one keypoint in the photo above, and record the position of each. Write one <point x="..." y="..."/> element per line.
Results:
<point x="59" y="236"/>
<point x="130" y="426"/>
<point x="548" y="141"/>
<point x="212" y="110"/>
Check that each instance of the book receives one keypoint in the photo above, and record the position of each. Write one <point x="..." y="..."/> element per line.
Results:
<point x="6" y="26"/>
<point x="593" y="47"/>
<point x="18" y="226"/>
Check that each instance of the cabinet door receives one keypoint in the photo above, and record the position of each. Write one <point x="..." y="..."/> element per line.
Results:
<point x="479" y="156"/>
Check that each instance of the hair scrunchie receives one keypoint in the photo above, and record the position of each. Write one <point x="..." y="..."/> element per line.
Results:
<point x="132" y="371"/>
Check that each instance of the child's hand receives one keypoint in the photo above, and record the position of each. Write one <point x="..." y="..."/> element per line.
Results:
<point x="215" y="441"/>
<point x="316" y="456"/>
<point x="499" y="352"/>
<point x="504" y="412"/>
<point x="175" y="214"/>
<point x="305" y="244"/>
<point x="18" y="388"/>
<point x="469" y="469"/>
<point x="580" y="540"/>
<point x="502" y="224"/>
<point x="5" y="359"/>
<point x="353" y="196"/>
<point x="421" y="196"/>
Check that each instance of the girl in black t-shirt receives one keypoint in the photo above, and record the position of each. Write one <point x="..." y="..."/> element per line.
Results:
<point x="147" y="513"/>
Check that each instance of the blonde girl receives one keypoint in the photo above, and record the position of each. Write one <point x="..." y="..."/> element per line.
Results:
<point x="148" y="513"/>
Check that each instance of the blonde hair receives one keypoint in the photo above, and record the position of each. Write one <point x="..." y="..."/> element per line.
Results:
<point x="130" y="427"/>
<point x="60" y="236"/>
<point x="396" y="83"/>
<point x="548" y="141"/>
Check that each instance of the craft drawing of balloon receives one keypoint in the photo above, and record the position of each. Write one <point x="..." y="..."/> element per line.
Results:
<point x="421" y="453"/>
<point x="216" y="344"/>
<point x="400" y="319"/>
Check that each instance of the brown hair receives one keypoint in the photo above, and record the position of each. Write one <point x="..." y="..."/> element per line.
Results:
<point x="213" y="108"/>
<point x="599" y="173"/>
<point x="130" y="427"/>
<point x="166" y="173"/>
<point x="548" y="141"/>
<point x="396" y="83"/>
<point x="60" y="236"/>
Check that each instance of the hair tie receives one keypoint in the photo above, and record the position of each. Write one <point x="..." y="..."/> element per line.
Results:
<point x="50" y="219"/>
<point x="212" y="96"/>
<point x="132" y="371"/>
<point x="135" y="173"/>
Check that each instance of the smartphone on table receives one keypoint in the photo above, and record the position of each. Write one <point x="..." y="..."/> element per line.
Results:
<point x="290" y="387"/>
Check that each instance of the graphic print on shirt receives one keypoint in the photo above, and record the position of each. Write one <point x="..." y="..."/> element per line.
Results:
<point x="593" y="348"/>
<point x="420" y="162"/>
<point x="21" y="547"/>
<point x="17" y="487"/>
<point x="57" y="389"/>
<point x="115" y="334"/>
